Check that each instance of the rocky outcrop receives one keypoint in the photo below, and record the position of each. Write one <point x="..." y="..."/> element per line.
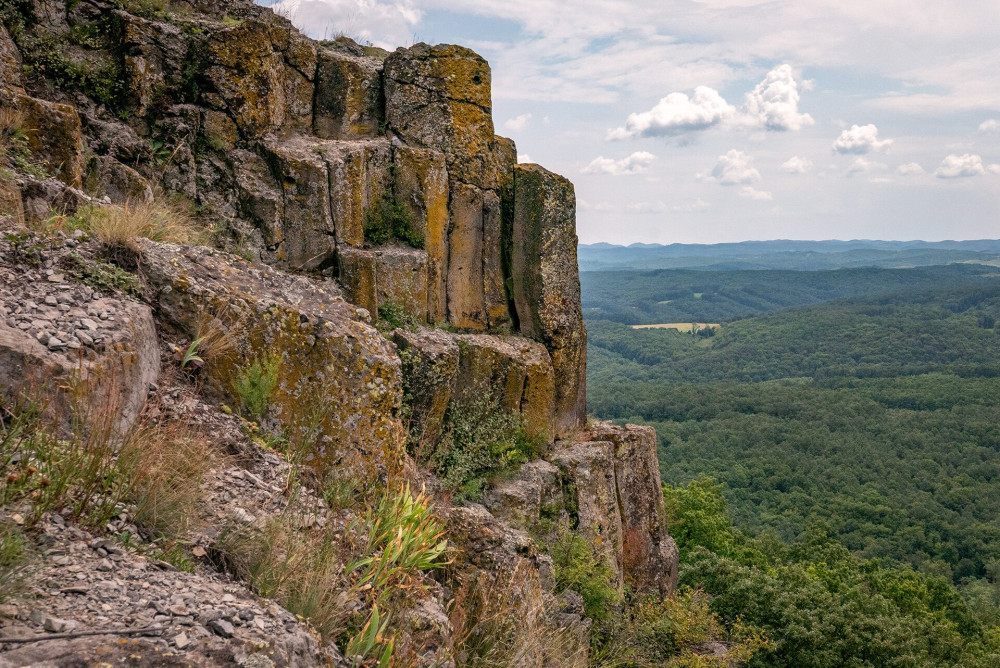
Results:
<point x="338" y="380"/>
<point x="365" y="188"/>
<point x="546" y="284"/>
<point x="91" y="354"/>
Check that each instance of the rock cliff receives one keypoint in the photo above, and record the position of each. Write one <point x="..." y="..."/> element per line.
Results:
<point x="377" y="248"/>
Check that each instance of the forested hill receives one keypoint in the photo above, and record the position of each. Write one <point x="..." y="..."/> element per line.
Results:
<point x="785" y="254"/>
<point x="681" y="295"/>
<point x="856" y="443"/>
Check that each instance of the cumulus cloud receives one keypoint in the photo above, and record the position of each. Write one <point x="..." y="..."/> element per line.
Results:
<point x="796" y="165"/>
<point x="991" y="126"/>
<point x="862" y="165"/>
<point x="910" y="169"/>
<point x="677" y="114"/>
<point x="637" y="163"/>
<point x="774" y="102"/>
<point x="860" y="139"/>
<point x="524" y="158"/>
<point x="647" y="207"/>
<point x="518" y="122"/>
<point x="385" y="23"/>
<point x="960" y="166"/>
<point x="735" y="168"/>
<point x="993" y="169"/>
<point x="752" y="193"/>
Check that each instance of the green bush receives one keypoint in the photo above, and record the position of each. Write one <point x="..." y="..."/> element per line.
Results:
<point x="390" y="219"/>
<point x="256" y="383"/>
<point x="482" y="441"/>
<point x="577" y="567"/>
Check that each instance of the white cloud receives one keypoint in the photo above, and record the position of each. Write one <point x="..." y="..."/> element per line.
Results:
<point x="796" y="165"/>
<point x="860" y="139"/>
<point x="993" y="169"/>
<point x="677" y="114"/>
<point x="960" y="166"/>
<point x="862" y="165"/>
<point x="991" y="126"/>
<point x="524" y="158"/>
<point x="774" y="102"/>
<point x="647" y="207"/>
<point x="735" y="168"/>
<point x="637" y="163"/>
<point x="752" y="193"/>
<point x="518" y="122"/>
<point x="380" y="22"/>
<point x="910" y="169"/>
<point x="691" y="207"/>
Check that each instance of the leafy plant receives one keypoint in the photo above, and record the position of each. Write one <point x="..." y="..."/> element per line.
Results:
<point x="101" y="275"/>
<point x="393" y="316"/>
<point x="190" y="358"/>
<point x="482" y="441"/>
<point x="577" y="567"/>
<point x="256" y="383"/>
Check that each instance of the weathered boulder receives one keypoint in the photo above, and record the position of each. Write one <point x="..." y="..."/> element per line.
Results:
<point x="76" y="350"/>
<point x="359" y="175"/>
<point x="307" y="232"/>
<point x="546" y="284"/>
<point x="421" y="185"/>
<point x="152" y="55"/>
<point x="246" y="75"/>
<point x="439" y="97"/>
<point x="534" y="493"/>
<point x="55" y="137"/>
<point x="649" y="554"/>
<point x="349" y="97"/>
<point x="588" y="474"/>
<point x="513" y="371"/>
<point x="339" y="388"/>
<point x="119" y="182"/>
<point x="430" y="366"/>
<point x="260" y="200"/>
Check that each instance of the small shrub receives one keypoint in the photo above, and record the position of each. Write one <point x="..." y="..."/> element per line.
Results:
<point x="101" y="275"/>
<point x="390" y="219"/>
<point x="482" y="441"/>
<point x="256" y="383"/>
<point x="393" y="316"/>
<point x="160" y="468"/>
<point x="577" y="567"/>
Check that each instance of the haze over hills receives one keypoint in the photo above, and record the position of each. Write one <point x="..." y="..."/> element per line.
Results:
<point x="787" y="254"/>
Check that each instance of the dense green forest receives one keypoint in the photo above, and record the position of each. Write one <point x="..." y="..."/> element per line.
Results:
<point x="647" y="297"/>
<point x="856" y="441"/>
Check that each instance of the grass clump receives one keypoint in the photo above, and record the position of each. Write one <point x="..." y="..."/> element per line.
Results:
<point x="498" y="623"/>
<point x="15" y="561"/>
<point x="14" y="148"/>
<point x="343" y="583"/>
<point x="577" y="567"/>
<point x="256" y="383"/>
<point x="482" y="441"/>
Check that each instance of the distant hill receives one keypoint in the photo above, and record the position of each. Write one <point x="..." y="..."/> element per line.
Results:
<point x="787" y="254"/>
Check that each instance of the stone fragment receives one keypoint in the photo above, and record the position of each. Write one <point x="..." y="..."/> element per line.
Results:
<point x="533" y="494"/>
<point x="221" y="628"/>
<point x="401" y="280"/>
<point x="512" y="371"/>
<point x="247" y="75"/>
<point x="466" y="298"/>
<point x="55" y="137"/>
<point x="349" y="101"/>
<point x="307" y="231"/>
<point x="119" y="182"/>
<point x="588" y="474"/>
<point x="546" y="284"/>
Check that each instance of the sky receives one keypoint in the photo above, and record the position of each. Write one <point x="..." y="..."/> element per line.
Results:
<point x="705" y="121"/>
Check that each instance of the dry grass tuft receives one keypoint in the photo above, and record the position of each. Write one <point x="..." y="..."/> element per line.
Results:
<point x="496" y="625"/>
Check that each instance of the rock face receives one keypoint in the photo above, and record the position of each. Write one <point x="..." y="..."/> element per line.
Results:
<point x="546" y="284"/>
<point x="338" y="380"/>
